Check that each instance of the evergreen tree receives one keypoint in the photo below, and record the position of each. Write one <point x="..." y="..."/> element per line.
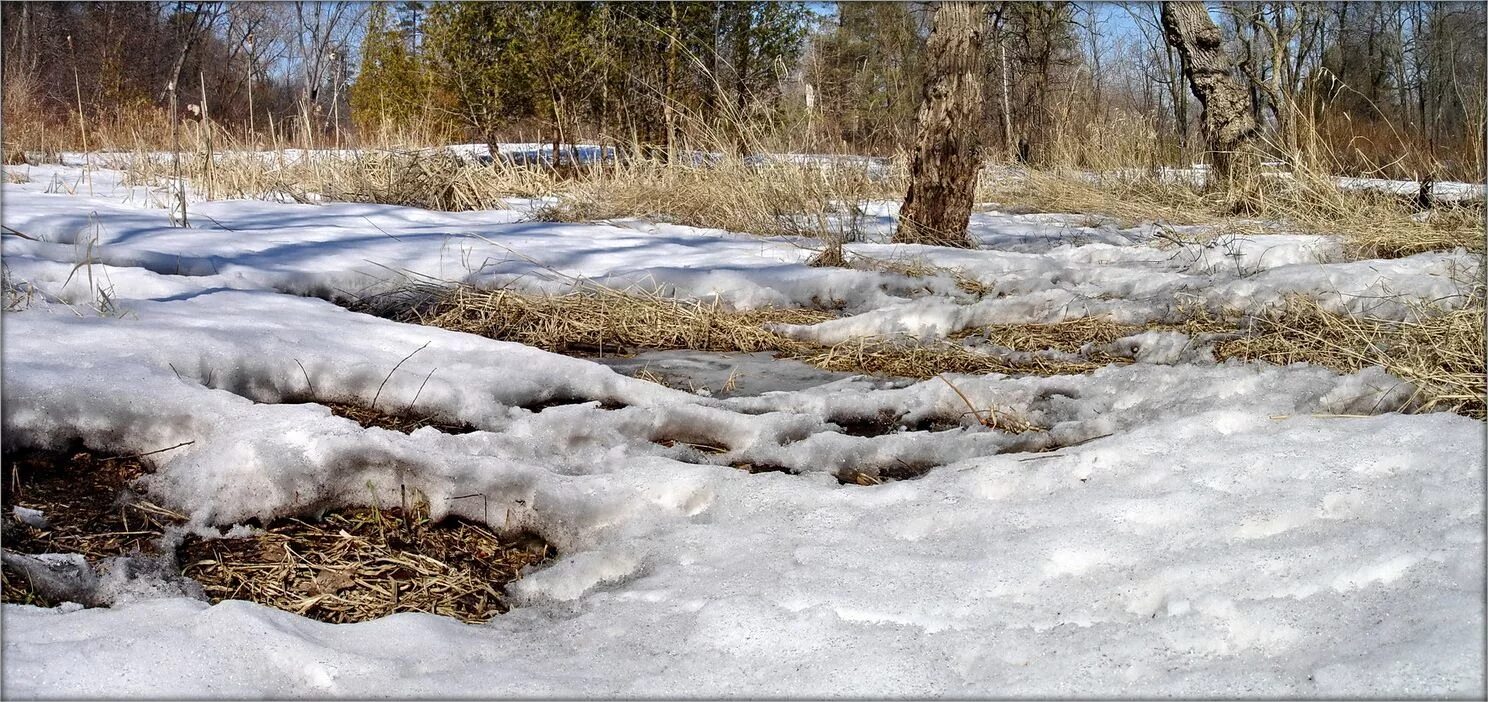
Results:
<point x="390" y="91"/>
<point x="866" y="68"/>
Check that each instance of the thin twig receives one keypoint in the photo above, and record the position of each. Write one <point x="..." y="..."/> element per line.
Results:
<point x="395" y="370"/>
<point x="150" y="453"/>
<point x="414" y="401"/>
<point x="313" y="394"/>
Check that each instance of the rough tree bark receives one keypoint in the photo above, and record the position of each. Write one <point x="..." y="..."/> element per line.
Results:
<point x="942" y="176"/>
<point x="1228" y="123"/>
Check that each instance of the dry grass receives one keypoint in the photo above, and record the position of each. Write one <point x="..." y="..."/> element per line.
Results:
<point x="353" y="565"/>
<point x="439" y="181"/>
<point x="725" y="192"/>
<point x="912" y="358"/>
<point x="360" y="564"/>
<point x="1070" y="336"/>
<point x="602" y="320"/>
<point x="1440" y="352"/>
<point x="1374" y="225"/>
<point x="712" y="191"/>
<point x="27" y="135"/>
<point x="824" y="200"/>
<point x="85" y="498"/>
<point x="432" y="180"/>
<point x="913" y="267"/>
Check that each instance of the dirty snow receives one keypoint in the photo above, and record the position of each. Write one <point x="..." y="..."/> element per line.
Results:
<point x="1181" y="528"/>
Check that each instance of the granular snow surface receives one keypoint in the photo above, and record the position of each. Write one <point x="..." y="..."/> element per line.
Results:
<point x="1182" y="528"/>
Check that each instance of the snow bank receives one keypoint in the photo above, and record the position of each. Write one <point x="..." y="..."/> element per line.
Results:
<point x="1183" y="530"/>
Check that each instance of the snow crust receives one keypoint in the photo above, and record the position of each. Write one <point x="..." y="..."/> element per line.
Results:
<point x="1180" y="527"/>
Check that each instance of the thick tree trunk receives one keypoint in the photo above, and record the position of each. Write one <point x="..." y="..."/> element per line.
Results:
<point x="942" y="176"/>
<point x="1227" y="120"/>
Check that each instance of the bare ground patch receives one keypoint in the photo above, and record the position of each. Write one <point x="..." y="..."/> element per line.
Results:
<point x="76" y="501"/>
<point x="406" y="422"/>
<point x="362" y="563"/>
<point x="354" y="564"/>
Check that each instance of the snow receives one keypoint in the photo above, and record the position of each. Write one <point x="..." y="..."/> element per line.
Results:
<point x="1445" y="191"/>
<point x="1180" y="528"/>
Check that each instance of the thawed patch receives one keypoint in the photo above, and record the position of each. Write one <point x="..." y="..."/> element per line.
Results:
<point x="541" y="405"/>
<point x="406" y="422"/>
<point x="70" y="504"/>
<point x="887" y="421"/>
<point x="362" y="563"/>
<point x="76" y="530"/>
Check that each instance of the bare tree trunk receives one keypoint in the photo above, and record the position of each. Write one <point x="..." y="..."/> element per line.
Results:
<point x="744" y="25"/>
<point x="668" y="99"/>
<point x="1007" y="101"/>
<point x="942" y="176"/>
<point x="1229" y="126"/>
<point x="201" y="19"/>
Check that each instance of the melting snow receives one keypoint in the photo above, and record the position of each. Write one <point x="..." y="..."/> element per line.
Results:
<point x="1190" y="529"/>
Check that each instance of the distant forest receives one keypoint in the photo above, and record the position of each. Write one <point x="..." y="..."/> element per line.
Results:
<point x="1388" y="85"/>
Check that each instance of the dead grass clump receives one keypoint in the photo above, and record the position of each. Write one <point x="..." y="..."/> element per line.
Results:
<point x="28" y="132"/>
<point x="436" y="180"/>
<point x="87" y="507"/>
<point x="1131" y="198"/>
<point x="1440" y="352"/>
<point x="598" y="320"/>
<point x="1374" y="225"/>
<point x="1442" y="229"/>
<point x="1069" y="336"/>
<point x="916" y="267"/>
<point x="364" y="563"/>
<point x="601" y="320"/>
<point x="821" y="200"/>
<point x="911" y="358"/>
<point x="815" y="199"/>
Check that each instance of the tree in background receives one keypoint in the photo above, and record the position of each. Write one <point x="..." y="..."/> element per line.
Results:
<point x="390" y="91"/>
<point x="942" y="175"/>
<point x="865" y="70"/>
<point x="1042" y="61"/>
<point x="1228" y="122"/>
<point x="761" y="39"/>
<point x="471" y="43"/>
<point x="515" y="62"/>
